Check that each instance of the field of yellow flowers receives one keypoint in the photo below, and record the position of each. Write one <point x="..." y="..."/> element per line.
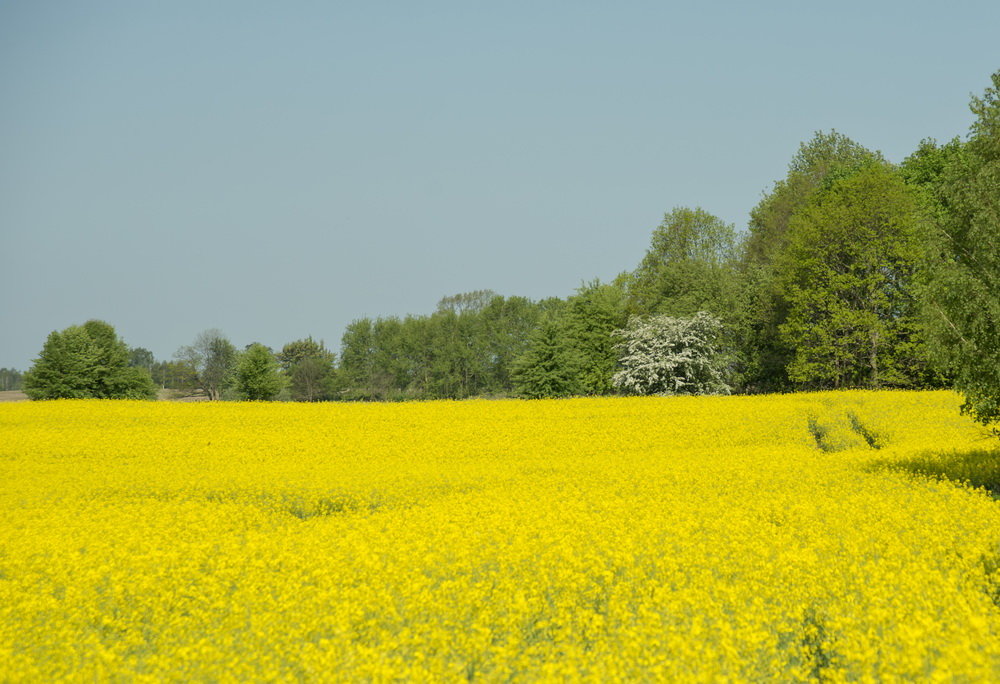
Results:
<point x="838" y="536"/>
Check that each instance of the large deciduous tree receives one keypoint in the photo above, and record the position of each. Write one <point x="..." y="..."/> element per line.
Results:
<point x="213" y="356"/>
<point x="256" y="374"/>
<point x="846" y="277"/>
<point x="962" y="277"/>
<point x="86" y="361"/>
<point x="824" y="157"/>
<point x="689" y="267"/>
<point x="763" y="309"/>
<point x="361" y="371"/>
<point x="588" y="321"/>
<point x="308" y="365"/>
<point x="550" y="366"/>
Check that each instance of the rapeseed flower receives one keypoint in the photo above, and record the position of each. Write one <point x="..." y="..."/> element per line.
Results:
<point x="682" y="538"/>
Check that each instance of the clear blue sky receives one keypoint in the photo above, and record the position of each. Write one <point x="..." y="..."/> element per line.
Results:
<point x="276" y="170"/>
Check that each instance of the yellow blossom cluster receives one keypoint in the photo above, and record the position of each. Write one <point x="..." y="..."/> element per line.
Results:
<point x="833" y="536"/>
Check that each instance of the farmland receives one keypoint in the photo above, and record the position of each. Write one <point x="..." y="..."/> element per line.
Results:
<point x="847" y="535"/>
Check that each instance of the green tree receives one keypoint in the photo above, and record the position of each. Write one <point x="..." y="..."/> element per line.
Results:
<point x="846" y="274"/>
<point x="299" y="350"/>
<point x="311" y="379"/>
<point x="256" y="374"/>
<point x="690" y="266"/>
<point x="10" y="379"/>
<point x="549" y="367"/>
<point x="466" y="347"/>
<point x="471" y="341"/>
<point x="961" y="283"/>
<point x="86" y="361"/>
<point x="309" y="367"/>
<point x="139" y="357"/>
<point x="213" y="356"/>
<point x="762" y="309"/>
<point x="178" y="375"/>
<point x="823" y="158"/>
<point x="925" y="169"/>
<point x="66" y="368"/>
<point x="362" y="374"/>
<point x="467" y="302"/>
<point x="505" y="324"/>
<point x="589" y="319"/>
<point x="458" y="363"/>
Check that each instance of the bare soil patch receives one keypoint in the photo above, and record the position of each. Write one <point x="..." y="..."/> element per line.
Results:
<point x="13" y="395"/>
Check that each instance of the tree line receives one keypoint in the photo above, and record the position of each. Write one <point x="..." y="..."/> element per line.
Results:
<point x="853" y="273"/>
<point x="10" y="379"/>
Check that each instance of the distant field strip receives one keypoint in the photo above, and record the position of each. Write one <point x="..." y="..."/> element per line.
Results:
<point x="834" y="536"/>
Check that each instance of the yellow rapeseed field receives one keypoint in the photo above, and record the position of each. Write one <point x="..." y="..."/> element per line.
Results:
<point x="789" y="538"/>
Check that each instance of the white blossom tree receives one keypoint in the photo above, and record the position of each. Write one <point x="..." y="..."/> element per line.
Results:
<point x="667" y="355"/>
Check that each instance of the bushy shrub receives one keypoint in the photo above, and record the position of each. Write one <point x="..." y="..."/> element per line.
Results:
<point x="667" y="355"/>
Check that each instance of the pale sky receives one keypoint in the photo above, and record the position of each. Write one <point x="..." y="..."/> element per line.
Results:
<point x="276" y="170"/>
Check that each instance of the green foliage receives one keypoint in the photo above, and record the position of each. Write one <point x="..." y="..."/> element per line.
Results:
<point x="179" y="375"/>
<point x="455" y="368"/>
<point x="505" y="324"/>
<point x="365" y="371"/>
<point x="299" y="350"/>
<point x="138" y="357"/>
<point x="256" y="374"/>
<point x="465" y="348"/>
<point x="961" y="284"/>
<point x="846" y="275"/>
<point x="311" y="379"/>
<point x="762" y="308"/>
<point x="467" y="302"/>
<point x="925" y="168"/>
<point x="213" y="357"/>
<point x="825" y="157"/>
<point x="588" y="321"/>
<point x="65" y="368"/>
<point x="131" y="383"/>
<point x="217" y="371"/>
<point x="690" y="266"/>
<point x="550" y="366"/>
<point x="87" y="361"/>
<point x="308" y="366"/>
<point x="10" y="379"/>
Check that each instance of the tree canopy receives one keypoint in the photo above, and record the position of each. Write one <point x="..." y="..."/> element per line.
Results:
<point x="86" y="361"/>
<point x="309" y="368"/>
<point x="845" y="275"/>
<point x="256" y="374"/>
<point x="550" y="366"/>
<point x="213" y="357"/>
<point x="689" y="267"/>
<point x="962" y="266"/>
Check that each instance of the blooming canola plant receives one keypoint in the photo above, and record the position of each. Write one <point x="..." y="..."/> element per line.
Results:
<point x="831" y="535"/>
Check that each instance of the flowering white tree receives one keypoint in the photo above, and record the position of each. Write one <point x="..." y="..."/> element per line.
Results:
<point x="666" y="355"/>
